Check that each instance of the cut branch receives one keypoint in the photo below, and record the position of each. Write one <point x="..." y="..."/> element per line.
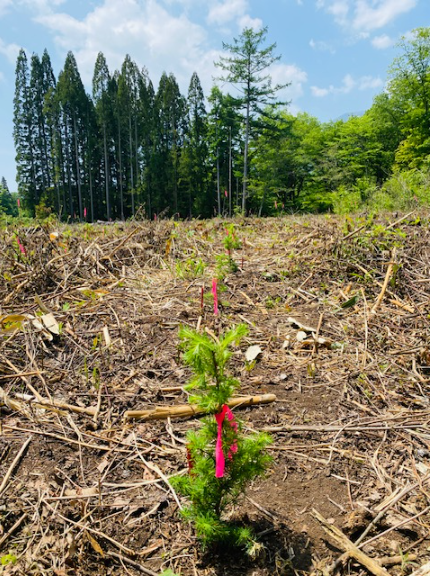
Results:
<point x="351" y="551"/>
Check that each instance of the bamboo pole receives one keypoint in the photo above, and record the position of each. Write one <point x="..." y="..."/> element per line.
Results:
<point x="189" y="410"/>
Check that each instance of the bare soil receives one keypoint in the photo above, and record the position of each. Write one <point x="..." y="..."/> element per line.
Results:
<point x="340" y="309"/>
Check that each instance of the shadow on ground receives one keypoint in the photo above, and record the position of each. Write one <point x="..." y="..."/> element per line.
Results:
<point x="283" y="553"/>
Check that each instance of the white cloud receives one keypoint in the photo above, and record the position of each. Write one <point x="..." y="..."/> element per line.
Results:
<point x="374" y="15"/>
<point x="369" y="82"/>
<point x="9" y="50"/>
<point x="321" y="46"/>
<point x="382" y="42"/>
<point x="337" y="8"/>
<point x="320" y="92"/>
<point x="247" y="22"/>
<point x="363" y="16"/>
<point x="153" y="38"/>
<point x="224" y="12"/>
<point x="349" y="83"/>
<point x="1" y="76"/>
<point x="4" y="5"/>
<point x="288" y="74"/>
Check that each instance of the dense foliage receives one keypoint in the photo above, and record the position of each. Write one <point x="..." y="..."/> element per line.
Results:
<point x="129" y="148"/>
<point x="8" y="204"/>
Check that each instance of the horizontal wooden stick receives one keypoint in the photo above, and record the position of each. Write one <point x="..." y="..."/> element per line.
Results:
<point x="189" y="410"/>
<point x="54" y="406"/>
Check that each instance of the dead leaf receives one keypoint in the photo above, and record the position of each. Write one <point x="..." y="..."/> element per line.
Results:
<point x="13" y="321"/>
<point x="37" y="324"/>
<point x="94" y="544"/>
<point x="253" y="352"/>
<point x="50" y="323"/>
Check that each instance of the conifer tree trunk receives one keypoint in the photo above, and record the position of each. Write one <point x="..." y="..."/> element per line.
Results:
<point x="106" y="173"/>
<point x="131" y="164"/>
<point x="78" y="169"/>
<point x="121" y="192"/>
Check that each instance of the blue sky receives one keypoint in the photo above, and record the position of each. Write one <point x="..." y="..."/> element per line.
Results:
<point x="335" y="53"/>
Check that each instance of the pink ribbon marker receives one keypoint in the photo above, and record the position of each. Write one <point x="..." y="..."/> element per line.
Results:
<point x="215" y="294"/>
<point x="190" y="461"/>
<point x="85" y="212"/>
<point x="18" y="202"/>
<point x="219" y="453"/>
<point x="21" y="247"/>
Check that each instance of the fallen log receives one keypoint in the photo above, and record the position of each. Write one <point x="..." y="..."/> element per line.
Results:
<point x="189" y="410"/>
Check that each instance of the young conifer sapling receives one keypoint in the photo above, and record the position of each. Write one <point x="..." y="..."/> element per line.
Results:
<point x="222" y="459"/>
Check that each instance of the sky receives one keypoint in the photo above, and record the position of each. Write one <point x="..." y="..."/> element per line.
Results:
<point x="334" y="53"/>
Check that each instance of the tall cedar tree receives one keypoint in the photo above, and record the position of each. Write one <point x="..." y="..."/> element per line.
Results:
<point x="128" y="127"/>
<point x="194" y="158"/>
<point x="103" y="104"/>
<point x="170" y="123"/>
<point x="23" y="134"/>
<point x="73" y="104"/>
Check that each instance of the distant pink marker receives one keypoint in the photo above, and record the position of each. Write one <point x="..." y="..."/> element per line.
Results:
<point x="215" y="295"/>
<point x="21" y="247"/>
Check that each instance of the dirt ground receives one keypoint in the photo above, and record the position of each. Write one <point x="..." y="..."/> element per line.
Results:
<point x="89" y="319"/>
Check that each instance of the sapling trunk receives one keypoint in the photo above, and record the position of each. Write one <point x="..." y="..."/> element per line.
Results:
<point x="222" y="459"/>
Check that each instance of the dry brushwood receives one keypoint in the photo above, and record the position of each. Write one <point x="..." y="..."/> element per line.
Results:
<point x="89" y="321"/>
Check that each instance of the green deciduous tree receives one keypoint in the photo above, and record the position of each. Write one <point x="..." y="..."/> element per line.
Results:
<point x="7" y="203"/>
<point x="410" y="84"/>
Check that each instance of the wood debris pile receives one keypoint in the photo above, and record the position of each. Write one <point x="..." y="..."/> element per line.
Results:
<point x="338" y="311"/>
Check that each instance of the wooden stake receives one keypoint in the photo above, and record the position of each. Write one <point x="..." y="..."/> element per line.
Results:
<point x="385" y="285"/>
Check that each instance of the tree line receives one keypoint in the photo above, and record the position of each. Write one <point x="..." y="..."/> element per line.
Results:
<point x="127" y="148"/>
